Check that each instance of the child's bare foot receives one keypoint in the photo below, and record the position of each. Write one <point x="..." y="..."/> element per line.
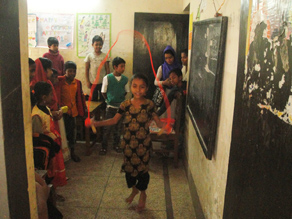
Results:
<point x="142" y="202"/>
<point x="135" y="191"/>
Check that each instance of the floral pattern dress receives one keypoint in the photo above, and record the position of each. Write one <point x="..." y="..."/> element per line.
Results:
<point x="136" y="142"/>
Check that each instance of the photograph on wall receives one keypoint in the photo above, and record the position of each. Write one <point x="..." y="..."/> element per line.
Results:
<point x="60" y="26"/>
<point x="32" y="30"/>
<point x="89" y="25"/>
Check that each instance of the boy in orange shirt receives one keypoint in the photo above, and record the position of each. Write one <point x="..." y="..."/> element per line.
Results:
<point x="71" y="96"/>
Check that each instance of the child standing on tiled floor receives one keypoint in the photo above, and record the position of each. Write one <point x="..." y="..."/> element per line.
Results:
<point x="114" y="89"/>
<point x="136" y="142"/>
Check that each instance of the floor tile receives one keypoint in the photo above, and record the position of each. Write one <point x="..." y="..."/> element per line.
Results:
<point x="83" y="191"/>
<point x="97" y="188"/>
<point x="156" y="167"/>
<point x="130" y="213"/>
<point x="70" y="212"/>
<point x="184" y="214"/>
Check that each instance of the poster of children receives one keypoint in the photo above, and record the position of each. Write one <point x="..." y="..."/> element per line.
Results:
<point x="89" y="25"/>
<point x="60" y="26"/>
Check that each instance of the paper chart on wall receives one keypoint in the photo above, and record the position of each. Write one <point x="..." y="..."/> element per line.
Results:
<point x="89" y="25"/>
<point x="267" y="71"/>
<point x="60" y="26"/>
<point x="32" y="30"/>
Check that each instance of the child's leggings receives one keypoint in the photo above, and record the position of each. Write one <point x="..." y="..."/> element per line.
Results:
<point x="141" y="181"/>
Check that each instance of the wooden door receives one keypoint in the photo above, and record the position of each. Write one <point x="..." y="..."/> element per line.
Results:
<point x="159" y="30"/>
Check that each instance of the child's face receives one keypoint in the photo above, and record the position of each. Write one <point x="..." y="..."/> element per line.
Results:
<point x="184" y="58"/>
<point x="54" y="47"/>
<point x="70" y="73"/>
<point x="54" y="79"/>
<point x="97" y="46"/>
<point x="174" y="79"/>
<point x="168" y="58"/>
<point x="31" y="71"/>
<point x="138" y="88"/>
<point x="49" y="72"/>
<point x="119" y="70"/>
<point x="48" y="98"/>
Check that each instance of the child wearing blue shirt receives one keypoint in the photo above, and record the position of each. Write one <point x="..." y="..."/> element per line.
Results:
<point x="114" y="89"/>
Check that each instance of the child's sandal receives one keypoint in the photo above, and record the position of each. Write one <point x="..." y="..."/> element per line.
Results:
<point x="102" y="151"/>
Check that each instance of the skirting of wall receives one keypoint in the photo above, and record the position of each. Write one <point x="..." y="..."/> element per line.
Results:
<point x="193" y="190"/>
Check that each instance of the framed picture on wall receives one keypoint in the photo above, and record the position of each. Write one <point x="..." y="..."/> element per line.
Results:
<point x="205" y="79"/>
<point x="89" y="25"/>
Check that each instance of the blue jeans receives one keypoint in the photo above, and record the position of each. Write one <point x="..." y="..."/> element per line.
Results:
<point x="115" y="129"/>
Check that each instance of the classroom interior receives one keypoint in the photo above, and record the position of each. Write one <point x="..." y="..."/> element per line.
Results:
<point x="223" y="187"/>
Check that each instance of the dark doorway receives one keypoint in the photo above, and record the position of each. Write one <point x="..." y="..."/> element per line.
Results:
<point x="159" y="30"/>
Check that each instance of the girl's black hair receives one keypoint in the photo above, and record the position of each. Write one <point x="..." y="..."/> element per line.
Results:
<point x="140" y="76"/>
<point x="169" y="52"/>
<point x="46" y="63"/>
<point x="185" y="51"/>
<point x="55" y="72"/>
<point x="176" y="71"/>
<point x="41" y="88"/>
<point x="31" y="61"/>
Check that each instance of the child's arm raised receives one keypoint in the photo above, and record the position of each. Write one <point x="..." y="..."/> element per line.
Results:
<point x="107" y="122"/>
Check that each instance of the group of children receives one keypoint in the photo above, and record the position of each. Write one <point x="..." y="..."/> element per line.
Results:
<point x="53" y="85"/>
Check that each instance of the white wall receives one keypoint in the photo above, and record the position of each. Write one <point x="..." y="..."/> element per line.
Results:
<point x="210" y="176"/>
<point x="122" y="15"/>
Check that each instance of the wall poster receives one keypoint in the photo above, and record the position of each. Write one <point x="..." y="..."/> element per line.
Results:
<point x="32" y="30"/>
<point x="259" y="176"/>
<point x="89" y="25"/>
<point x="60" y="26"/>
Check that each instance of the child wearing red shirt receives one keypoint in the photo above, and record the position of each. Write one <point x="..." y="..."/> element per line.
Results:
<point x="55" y="56"/>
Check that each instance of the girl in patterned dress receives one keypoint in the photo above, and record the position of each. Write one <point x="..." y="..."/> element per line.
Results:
<point x="136" y="142"/>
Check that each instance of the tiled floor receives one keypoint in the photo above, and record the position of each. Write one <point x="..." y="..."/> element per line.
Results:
<point x="97" y="189"/>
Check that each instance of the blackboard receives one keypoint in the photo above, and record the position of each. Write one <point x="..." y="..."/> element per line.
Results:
<point x="205" y="79"/>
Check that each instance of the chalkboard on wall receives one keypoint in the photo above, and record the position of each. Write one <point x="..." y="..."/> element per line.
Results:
<point x="205" y="79"/>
